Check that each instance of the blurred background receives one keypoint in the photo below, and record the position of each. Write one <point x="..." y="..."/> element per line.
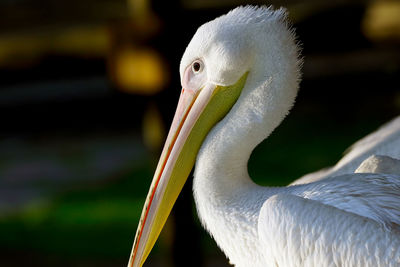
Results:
<point x="87" y="92"/>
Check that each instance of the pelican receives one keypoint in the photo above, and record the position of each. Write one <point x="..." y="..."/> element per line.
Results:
<point x="240" y="75"/>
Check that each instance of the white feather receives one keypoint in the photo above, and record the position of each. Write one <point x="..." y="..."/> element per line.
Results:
<point x="303" y="232"/>
<point x="379" y="164"/>
<point x="384" y="142"/>
<point x="348" y="220"/>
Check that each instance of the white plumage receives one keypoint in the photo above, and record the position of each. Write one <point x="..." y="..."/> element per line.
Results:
<point x="342" y="219"/>
<point x="379" y="164"/>
<point x="240" y="75"/>
<point x="384" y="142"/>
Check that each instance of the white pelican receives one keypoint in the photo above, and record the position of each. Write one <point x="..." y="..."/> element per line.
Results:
<point x="240" y="76"/>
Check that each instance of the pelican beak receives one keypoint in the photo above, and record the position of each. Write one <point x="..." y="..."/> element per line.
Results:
<point x="197" y="112"/>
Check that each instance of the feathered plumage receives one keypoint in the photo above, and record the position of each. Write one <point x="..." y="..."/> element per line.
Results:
<point x="258" y="226"/>
<point x="341" y="219"/>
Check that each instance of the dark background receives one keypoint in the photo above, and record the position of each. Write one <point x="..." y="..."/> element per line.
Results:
<point x="88" y="89"/>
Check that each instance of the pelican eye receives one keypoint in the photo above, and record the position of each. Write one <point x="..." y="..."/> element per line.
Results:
<point x="197" y="66"/>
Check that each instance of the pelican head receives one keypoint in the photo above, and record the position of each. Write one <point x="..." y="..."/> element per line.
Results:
<point x="244" y="62"/>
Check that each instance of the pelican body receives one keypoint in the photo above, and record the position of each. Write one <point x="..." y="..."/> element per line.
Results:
<point x="240" y="75"/>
